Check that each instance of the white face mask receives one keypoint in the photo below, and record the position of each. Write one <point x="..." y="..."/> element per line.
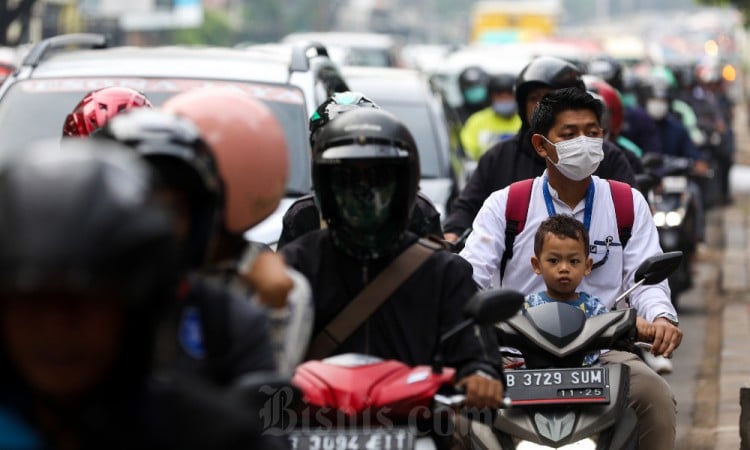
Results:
<point x="657" y="108"/>
<point x="578" y="158"/>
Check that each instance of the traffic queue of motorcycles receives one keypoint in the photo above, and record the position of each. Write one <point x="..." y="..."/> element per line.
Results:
<point x="553" y="401"/>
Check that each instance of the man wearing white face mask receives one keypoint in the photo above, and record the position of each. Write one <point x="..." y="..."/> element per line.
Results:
<point x="566" y="132"/>
<point x="515" y="159"/>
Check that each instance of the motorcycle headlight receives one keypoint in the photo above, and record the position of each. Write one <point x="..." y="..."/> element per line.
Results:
<point x="583" y="444"/>
<point x="673" y="219"/>
<point x="669" y="239"/>
<point x="660" y="218"/>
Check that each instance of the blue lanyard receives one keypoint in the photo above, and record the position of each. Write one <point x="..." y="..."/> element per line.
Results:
<point x="586" y="212"/>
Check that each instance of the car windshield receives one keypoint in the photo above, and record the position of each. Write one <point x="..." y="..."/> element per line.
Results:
<point x="419" y="121"/>
<point x="36" y="109"/>
<point x="364" y="56"/>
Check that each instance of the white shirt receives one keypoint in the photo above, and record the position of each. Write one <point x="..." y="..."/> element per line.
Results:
<point x="486" y="245"/>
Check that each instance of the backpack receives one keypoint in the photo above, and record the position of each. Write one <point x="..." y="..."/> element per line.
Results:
<point x="517" y="208"/>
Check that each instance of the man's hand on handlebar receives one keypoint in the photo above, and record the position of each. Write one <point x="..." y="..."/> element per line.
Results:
<point x="667" y="337"/>
<point x="450" y="237"/>
<point x="646" y="329"/>
<point x="701" y="168"/>
<point x="482" y="391"/>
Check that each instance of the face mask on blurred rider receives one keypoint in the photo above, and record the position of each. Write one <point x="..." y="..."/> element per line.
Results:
<point x="578" y="158"/>
<point x="657" y="108"/>
<point x="475" y="94"/>
<point x="504" y="108"/>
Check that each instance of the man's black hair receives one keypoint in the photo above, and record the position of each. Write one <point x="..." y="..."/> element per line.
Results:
<point x="561" y="225"/>
<point x="566" y="99"/>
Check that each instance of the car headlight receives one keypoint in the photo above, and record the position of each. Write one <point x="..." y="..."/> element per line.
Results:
<point x="583" y="444"/>
<point x="673" y="219"/>
<point x="660" y="218"/>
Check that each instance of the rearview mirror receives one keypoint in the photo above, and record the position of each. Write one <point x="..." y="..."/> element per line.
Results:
<point x="652" y="160"/>
<point x="484" y="308"/>
<point x="254" y="389"/>
<point x="658" y="267"/>
<point x="493" y="306"/>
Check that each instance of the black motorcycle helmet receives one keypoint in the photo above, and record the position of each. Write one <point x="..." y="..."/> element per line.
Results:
<point x="365" y="176"/>
<point x="83" y="220"/>
<point x="545" y="71"/>
<point x="174" y="148"/>
<point x="503" y="82"/>
<point x="608" y="69"/>
<point x="334" y="105"/>
<point x="659" y="84"/>
<point x="472" y="82"/>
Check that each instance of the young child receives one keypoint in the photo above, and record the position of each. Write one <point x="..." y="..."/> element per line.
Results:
<point x="561" y="257"/>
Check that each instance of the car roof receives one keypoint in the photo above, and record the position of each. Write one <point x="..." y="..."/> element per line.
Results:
<point x="344" y="38"/>
<point x="185" y="62"/>
<point x="392" y="84"/>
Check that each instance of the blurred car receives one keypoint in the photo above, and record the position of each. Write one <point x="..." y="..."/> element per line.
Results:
<point x="353" y="48"/>
<point x="310" y="68"/>
<point x="53" y="78"/>
<point x="409" y="95"/>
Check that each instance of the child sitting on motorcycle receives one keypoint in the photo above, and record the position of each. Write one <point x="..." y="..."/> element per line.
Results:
<point x="561" y="257"/>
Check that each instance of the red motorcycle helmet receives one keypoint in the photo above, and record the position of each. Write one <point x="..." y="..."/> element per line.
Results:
<point x="99" y="106"/>
<point x="612" y="101"/>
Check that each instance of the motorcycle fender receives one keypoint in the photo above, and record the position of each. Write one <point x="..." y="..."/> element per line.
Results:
<point x="624" y="435"/>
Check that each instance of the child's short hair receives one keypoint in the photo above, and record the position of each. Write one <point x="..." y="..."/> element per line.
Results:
<point x="562" y="225"/>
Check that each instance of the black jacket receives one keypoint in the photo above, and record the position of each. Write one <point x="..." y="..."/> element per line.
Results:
<point x="165" y="413"/>
<point x="408" y="325"/>
<point x="303" y="217"/>
<point x="513" y="160"/>
<point x="219" y="336"/>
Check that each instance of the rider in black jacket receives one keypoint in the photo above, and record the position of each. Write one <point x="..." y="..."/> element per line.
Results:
<point x="214" y="333"/>
<point x="365" y="174"/>
<point x="515" y="159"/>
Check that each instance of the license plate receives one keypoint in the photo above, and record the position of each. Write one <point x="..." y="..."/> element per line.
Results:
<point x="558" y="386"/>
<point x="353" y="439"/>
<point x="674" y="184"/>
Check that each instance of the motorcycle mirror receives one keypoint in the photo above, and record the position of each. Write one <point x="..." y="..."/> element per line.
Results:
<point x="645" y="182"/>
<point x="484" y="308"/>
<point x="652" y="160"/>
<point x="255" y="389"/>
<point x="493" y="306"/>
<point x="658" y="267"/>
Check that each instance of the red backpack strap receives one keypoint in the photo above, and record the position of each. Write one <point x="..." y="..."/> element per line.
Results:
<point x="622" y="197"/>
<point x="516" y="211"/>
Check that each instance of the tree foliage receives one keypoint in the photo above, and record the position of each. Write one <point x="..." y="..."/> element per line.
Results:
<point x="10" y="12"/>
<point x="215" y="30"/>
<point x="742" y="5"/>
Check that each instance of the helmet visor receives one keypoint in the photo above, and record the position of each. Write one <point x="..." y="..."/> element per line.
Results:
<point x="364" y="195"/>
<point x="369" y="151"/>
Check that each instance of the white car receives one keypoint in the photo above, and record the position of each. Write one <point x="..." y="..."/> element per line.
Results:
<point x="57" y="73"/>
